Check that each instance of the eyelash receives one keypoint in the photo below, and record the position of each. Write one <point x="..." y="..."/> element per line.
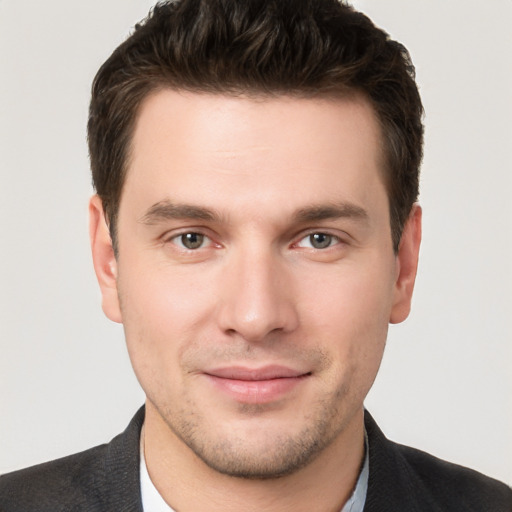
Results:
<point x="332" y="240"/>
<point x="178" y="240"/>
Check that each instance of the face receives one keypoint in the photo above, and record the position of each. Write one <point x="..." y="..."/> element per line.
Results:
<point x="256" y="276"/>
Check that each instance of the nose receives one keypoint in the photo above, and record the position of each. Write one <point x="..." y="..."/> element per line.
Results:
<point x="256" y="297"/>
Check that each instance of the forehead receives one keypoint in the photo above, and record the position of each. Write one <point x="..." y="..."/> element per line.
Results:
<point x="253" y="116"/>
<point x="194" y="144"/>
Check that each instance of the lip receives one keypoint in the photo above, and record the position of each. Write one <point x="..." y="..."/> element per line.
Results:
<point x="256" y="385"/>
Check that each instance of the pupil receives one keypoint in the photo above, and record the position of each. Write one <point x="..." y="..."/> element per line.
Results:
<point x="320" y="240"/>
<point x="192" y="240"/>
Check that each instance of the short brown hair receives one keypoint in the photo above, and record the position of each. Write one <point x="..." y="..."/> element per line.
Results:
<point x="264" y="47"/>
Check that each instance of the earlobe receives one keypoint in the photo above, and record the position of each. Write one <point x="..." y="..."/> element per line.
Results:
<point x="104" y="260"/>
<point x="407" y="264"/>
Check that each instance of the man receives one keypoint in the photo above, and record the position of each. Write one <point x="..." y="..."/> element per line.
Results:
<point x="255" y="229"/>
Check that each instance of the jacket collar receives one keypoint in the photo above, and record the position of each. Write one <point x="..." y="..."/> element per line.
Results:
<point x="393" y="484"/>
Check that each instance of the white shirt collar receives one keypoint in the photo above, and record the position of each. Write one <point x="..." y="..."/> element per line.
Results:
<point x="358" y="498"/>
<point x="152" y="500"/>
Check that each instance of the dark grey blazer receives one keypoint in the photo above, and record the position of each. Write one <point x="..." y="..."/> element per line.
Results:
<point x="106" y="479"/>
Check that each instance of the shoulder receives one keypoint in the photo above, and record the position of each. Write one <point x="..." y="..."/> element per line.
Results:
<point x="404" y="478"/>
<point x="456" y="487"/>
<point x="104" y="478"/>
<point x="57" y="485"/>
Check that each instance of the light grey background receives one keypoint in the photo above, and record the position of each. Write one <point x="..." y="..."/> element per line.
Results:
<point x="446" y="381"/>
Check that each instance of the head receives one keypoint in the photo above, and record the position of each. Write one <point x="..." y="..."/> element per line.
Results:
<point x="256" y="165"/>
<point x="265" y="48"/>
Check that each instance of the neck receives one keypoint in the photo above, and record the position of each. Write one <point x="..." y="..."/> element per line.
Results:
<point x="186" y="483"/>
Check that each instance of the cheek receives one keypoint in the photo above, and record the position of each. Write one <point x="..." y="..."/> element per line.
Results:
<point x="162" y="314"/>
<point x="351" y="312"/>
<point x="164" y="299"/>
<point x="349" y="298"/>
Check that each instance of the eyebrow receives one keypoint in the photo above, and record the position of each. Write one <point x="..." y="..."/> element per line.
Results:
<point x="166" y="210"/>
<point x="317" y="213"/>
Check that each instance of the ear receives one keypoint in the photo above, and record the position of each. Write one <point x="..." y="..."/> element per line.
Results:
<point x="104" y="260"/>
<point x="407" y="264"/>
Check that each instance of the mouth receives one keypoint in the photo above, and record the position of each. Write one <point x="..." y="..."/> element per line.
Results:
<point x="256" y="385"/>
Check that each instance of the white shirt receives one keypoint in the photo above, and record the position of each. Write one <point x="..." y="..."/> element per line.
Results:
<point x="152" y="501"/>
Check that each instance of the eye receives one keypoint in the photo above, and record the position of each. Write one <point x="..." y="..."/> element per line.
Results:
<point x="318" y="241"/>
<point x="190" y="241"/>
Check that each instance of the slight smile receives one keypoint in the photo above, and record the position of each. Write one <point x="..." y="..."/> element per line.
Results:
<point x="258" y="385"/>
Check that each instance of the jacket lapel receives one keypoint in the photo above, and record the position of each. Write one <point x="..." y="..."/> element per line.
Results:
<point x="122" y="470"/>
<point x="393" y="485"/>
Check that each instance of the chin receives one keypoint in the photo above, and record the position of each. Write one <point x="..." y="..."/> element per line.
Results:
<point x="261" y="448"/>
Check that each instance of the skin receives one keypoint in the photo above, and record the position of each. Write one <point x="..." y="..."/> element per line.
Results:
<point x="292" y="272"/>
